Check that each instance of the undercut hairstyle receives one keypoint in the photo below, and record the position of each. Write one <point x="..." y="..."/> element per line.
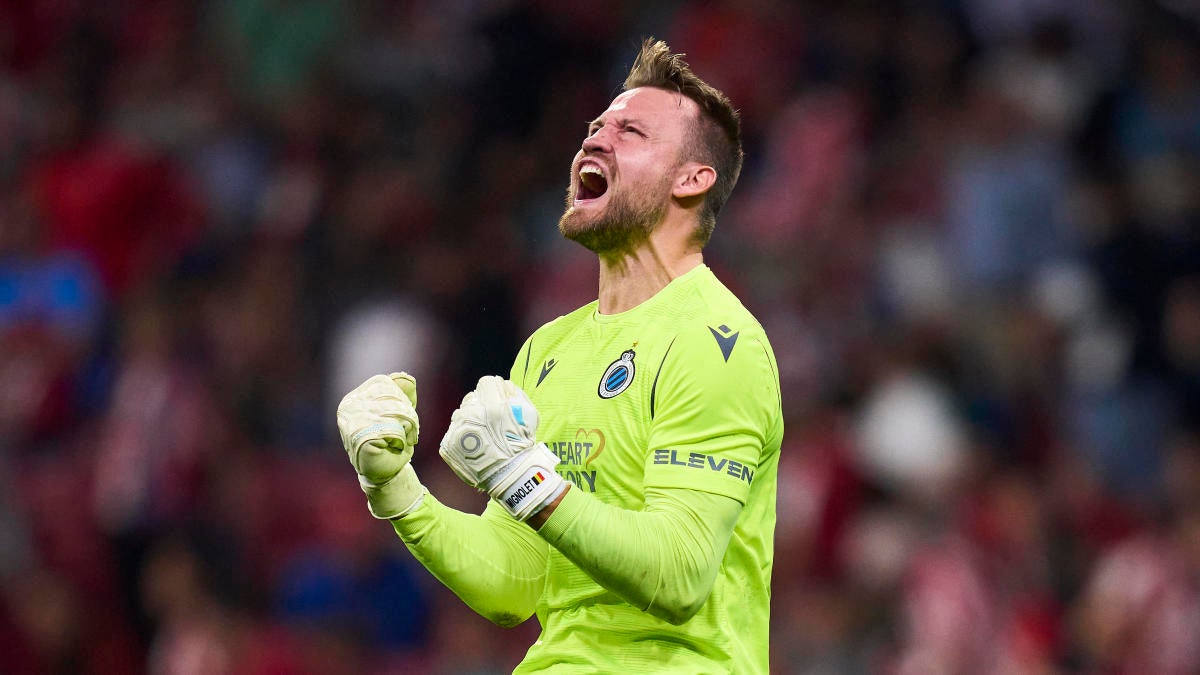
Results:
<point x="716" y="136"/>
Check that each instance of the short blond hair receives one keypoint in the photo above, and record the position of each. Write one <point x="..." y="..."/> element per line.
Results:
<point x="717" y="135"/>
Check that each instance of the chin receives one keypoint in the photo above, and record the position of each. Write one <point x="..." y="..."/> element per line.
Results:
<point x="601" y="233"/>
<point x="573" y="222"/>
<point x="582" y="216"/>
<point x="586" y="234"/>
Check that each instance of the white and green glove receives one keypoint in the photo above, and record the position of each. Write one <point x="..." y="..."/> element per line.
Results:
<point x="379" y="427"/>
<point x="492" y="445"/>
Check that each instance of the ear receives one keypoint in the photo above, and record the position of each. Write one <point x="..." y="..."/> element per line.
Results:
<point x="693" y="180"/>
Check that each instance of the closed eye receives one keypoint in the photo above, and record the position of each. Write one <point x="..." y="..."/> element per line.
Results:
<point x="593" y="127"/>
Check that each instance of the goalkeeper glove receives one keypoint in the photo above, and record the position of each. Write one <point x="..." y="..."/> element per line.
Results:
<point x="492" y="445"/>
<point x="379" y="427"/>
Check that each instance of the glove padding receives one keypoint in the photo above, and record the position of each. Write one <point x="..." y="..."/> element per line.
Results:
<point x="492" y="445"/>
<point x="379" y="426"/>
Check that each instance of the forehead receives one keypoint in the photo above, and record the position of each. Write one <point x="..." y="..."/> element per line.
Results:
<point x="653" y="104"/>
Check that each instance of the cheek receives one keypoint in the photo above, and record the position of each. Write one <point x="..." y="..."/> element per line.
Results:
<point x="654" y="174"/>
<point x="643" y="168"/>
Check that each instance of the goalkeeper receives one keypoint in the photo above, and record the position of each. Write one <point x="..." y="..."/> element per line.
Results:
<point x="631" y="456"/>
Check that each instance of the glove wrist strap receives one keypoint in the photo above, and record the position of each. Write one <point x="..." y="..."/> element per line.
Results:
<point x="530" y="483"/>
<point x="395" y="497"/>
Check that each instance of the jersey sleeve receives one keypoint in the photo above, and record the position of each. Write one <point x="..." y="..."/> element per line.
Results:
<point x="496" y="565"/>
<point x="662" y="560"/>
<point x="713" y="406"/>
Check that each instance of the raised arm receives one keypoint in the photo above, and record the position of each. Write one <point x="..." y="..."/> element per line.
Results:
<point x="662" y="560"/>
<point x="713" y="419"/>
<point x="496" y="565"/>
<point x="493" y="563"/>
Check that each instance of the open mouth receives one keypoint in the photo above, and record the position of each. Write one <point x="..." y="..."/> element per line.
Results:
<point x="592" y="183"/>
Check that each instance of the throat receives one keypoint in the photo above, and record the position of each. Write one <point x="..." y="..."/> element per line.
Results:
<point x="630" y="280"/>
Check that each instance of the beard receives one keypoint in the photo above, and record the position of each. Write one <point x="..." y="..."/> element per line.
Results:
<point x="624" y="223"/>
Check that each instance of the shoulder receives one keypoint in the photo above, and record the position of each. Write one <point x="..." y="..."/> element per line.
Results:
<point x="719" y="348"/>
<point x="546" y="337"/>
<point x="562" y="325"/>
<point x="716" y="329"/>
<point x="722" y="348"/>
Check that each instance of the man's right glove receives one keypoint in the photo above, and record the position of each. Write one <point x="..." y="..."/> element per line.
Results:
<point x="379" y="427"/>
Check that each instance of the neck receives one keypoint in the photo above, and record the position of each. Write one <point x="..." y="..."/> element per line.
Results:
<point x="631" y="278"/>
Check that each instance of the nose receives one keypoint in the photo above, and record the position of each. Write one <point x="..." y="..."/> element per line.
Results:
<point x="597" y="142"/>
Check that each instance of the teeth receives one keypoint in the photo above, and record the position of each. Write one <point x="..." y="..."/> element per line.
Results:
<point x="592" y="181"/>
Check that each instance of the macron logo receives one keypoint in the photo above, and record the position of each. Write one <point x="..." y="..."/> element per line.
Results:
<point x="546" y="368"/>
<point x="726" y="339"/>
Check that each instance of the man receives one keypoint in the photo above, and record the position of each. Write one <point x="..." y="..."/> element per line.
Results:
<point x="636" y="520"/>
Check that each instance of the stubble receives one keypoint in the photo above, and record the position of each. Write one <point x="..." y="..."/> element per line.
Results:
<point x="625" y="223"/>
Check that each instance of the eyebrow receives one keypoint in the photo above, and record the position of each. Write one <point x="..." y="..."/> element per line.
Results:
<point x="600" y="121"/>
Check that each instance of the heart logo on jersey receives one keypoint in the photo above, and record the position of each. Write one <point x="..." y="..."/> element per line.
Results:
<point x="583" y="435"/>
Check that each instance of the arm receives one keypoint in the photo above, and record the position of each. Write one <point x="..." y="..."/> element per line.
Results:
<point x="662" y="560"/>
<point x="496" y="565"/>
<point x="708" y="431"/>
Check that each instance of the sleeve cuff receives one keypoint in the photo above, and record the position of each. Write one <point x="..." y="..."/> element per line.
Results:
<point x="416" y="523"/>
<point x="565" y="514"/>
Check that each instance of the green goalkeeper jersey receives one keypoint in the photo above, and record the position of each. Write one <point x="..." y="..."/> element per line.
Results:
<point x="677" y="401"/>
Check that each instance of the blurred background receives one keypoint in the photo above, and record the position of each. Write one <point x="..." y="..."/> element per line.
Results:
<point x="970" y="227"/>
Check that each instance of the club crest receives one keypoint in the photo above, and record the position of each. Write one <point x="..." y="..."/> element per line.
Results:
<point x="618" y="377"/>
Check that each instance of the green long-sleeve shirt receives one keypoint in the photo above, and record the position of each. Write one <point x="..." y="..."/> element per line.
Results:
<point x="667" y="421"/>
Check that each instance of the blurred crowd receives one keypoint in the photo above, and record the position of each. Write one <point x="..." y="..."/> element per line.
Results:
<point x="970" y="227"/>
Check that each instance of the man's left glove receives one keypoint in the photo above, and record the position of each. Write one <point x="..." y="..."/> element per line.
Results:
<point x="379" y="427"/>
<point x="492" y="445"/>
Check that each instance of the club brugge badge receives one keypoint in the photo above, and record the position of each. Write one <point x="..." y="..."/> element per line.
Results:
<point x="618" y="377"/>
